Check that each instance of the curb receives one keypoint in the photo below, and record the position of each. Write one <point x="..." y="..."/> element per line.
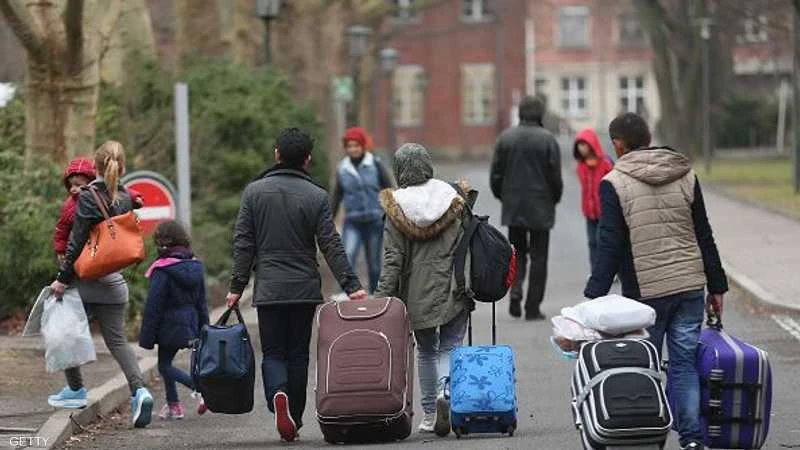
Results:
<point x="60" y="426"/>
<point x="102" y="400"/>
<point x="755" y="291"/>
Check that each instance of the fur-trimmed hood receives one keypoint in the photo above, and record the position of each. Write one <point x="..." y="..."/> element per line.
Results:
<point x="423" y="211"/>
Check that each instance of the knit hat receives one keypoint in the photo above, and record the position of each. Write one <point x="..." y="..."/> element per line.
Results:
<point x="355" y="134"/>
<point x="412" y="165"/>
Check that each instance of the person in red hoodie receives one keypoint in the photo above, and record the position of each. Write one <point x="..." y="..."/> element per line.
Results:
<point x="593" y="165"/>
<point x="78" y="173"/>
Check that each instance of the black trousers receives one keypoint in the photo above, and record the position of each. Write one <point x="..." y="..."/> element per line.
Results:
<point x="285" y="336"/>
<point x="535" y="243"/>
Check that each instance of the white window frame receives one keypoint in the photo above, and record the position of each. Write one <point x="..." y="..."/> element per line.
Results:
<point x="628" y="43"/>
<point x="405" y="11"/>
<point x="754" y="30"/>
<point x="480" y="11"/>
<point x="409" y="96"/>
<point x="478" y="86"/>
<point x="573" y="95"/>
<point x="573" y="12"/>
<point x="632" y="93"/>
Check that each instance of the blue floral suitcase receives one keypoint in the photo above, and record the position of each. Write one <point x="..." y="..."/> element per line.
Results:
<point x="482" y="388"/>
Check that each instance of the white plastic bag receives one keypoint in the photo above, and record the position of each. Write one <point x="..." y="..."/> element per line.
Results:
<point x="572" y="330"/>
<point x="33" y="327"/>
<point x="65" y="329"/>
<point x="612" y="314"/>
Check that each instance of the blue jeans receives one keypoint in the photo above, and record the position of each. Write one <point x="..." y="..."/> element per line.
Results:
<point x="591" y="233"/>
<point x="285" y="332"/>
<point x="680" y="317"/>
<point x="433" y="356"/>
<point x="170" y="374"/>
<point x="371" y="236"/>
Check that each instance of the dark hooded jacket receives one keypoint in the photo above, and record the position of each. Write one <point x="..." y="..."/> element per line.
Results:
<point x="176" y="306"/>
<point x="526" y="176"/>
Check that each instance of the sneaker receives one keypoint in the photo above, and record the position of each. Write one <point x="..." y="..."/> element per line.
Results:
<point x="428" y="423"/>
<point x="176" y="410"/>
<point x="693" y="446"/>
<point x="201" y="404"/>
<point x="67" y="398"/>
<point x="141" y="408"/>
<point x="283" y="418"/>
<point x="165" y="413"/>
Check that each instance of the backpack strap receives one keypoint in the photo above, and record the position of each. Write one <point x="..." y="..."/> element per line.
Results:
<point x="460" y="256"/>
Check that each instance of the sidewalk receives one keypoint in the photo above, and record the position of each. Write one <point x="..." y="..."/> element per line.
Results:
<point x="25" y="384"/>
<point x="760" y="249"/>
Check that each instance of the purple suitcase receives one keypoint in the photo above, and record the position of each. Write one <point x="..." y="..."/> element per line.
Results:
<point x="735" y="390"/>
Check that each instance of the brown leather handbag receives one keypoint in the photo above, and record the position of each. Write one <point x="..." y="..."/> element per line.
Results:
<point x="113" y="244"/>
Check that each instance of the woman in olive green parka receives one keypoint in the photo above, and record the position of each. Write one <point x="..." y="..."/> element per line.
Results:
<point x="421" y="234"/>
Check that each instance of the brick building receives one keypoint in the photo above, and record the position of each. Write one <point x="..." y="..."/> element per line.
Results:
<point x="454" y="58"/>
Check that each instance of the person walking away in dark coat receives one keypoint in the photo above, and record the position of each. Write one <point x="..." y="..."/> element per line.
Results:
<point x="421" y="234"/>
<point x="526" y="177"/>
<point x="283" y="217"/>
<point x="655" y="233"/>
<point x="360" y="176"/>
<point x="105" y="298"/>
<point x="593" y="165"/>
<point x="175" y="311"/>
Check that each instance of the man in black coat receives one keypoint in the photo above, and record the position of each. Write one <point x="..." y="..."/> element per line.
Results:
<point x="526" y="177"/>
<point x="283" y="217"/>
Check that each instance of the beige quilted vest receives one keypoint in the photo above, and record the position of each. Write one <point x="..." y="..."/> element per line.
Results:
<point x="656" y="192"/>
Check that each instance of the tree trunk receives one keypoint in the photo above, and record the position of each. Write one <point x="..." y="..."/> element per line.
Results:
<point x="131" y="41"/>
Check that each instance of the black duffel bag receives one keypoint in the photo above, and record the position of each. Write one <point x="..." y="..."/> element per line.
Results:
<point x="223" y="365"/>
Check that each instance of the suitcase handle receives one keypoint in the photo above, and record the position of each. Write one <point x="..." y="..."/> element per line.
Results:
<point x="714" y="321"/>
<point x="223" y="319"/>
<point x="494" y="327"/>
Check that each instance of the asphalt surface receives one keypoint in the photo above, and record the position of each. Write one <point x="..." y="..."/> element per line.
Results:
<point x="542" y="389"/>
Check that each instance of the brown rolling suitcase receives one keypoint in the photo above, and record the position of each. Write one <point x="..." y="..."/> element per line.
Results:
<point x="365" y="371"/>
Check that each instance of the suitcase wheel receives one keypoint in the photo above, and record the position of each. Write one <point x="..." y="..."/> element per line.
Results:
<point x="510" y="431"/>
<point x="459" y="432"/>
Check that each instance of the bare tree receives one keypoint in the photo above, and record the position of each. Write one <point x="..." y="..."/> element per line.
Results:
<point x="64" y="41"/>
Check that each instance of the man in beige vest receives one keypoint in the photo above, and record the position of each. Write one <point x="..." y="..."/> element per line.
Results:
<point x="654" y="233"/>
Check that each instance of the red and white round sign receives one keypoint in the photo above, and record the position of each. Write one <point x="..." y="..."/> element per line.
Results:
<point x="158" y="197"/>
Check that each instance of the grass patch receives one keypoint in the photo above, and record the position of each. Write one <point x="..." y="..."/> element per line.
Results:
<point x="766" y="183"/>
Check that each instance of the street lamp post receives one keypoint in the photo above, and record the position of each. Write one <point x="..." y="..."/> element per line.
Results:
<point x="268" y="10"/>
<point x="705" y="35"/>
<point x="357" y="39"/>
<point x="388" y="60"/>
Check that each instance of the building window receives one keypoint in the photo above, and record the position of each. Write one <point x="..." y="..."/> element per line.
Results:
<point x="478" y="94"/>
<point x="573" y="96"/>
<point x="404" y="10"/>
<point x="754" y="30"/>
<point x="573" y="27"/>
<point x="409" y="96"/>
<point x="631" y="94"/>
<point x="475" y="10"/>
<point x="631" y="33"/>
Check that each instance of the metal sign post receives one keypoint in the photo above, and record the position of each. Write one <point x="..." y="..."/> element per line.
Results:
<point x="182" y="160"/>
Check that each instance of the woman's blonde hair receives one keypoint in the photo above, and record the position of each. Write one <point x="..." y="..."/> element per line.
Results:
<point x="109" y="161"/>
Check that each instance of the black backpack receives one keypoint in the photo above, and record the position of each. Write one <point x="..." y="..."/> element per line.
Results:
<point x="493" y="258"/>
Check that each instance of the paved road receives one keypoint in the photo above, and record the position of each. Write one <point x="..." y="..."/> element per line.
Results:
<point x="544" y="417"/>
